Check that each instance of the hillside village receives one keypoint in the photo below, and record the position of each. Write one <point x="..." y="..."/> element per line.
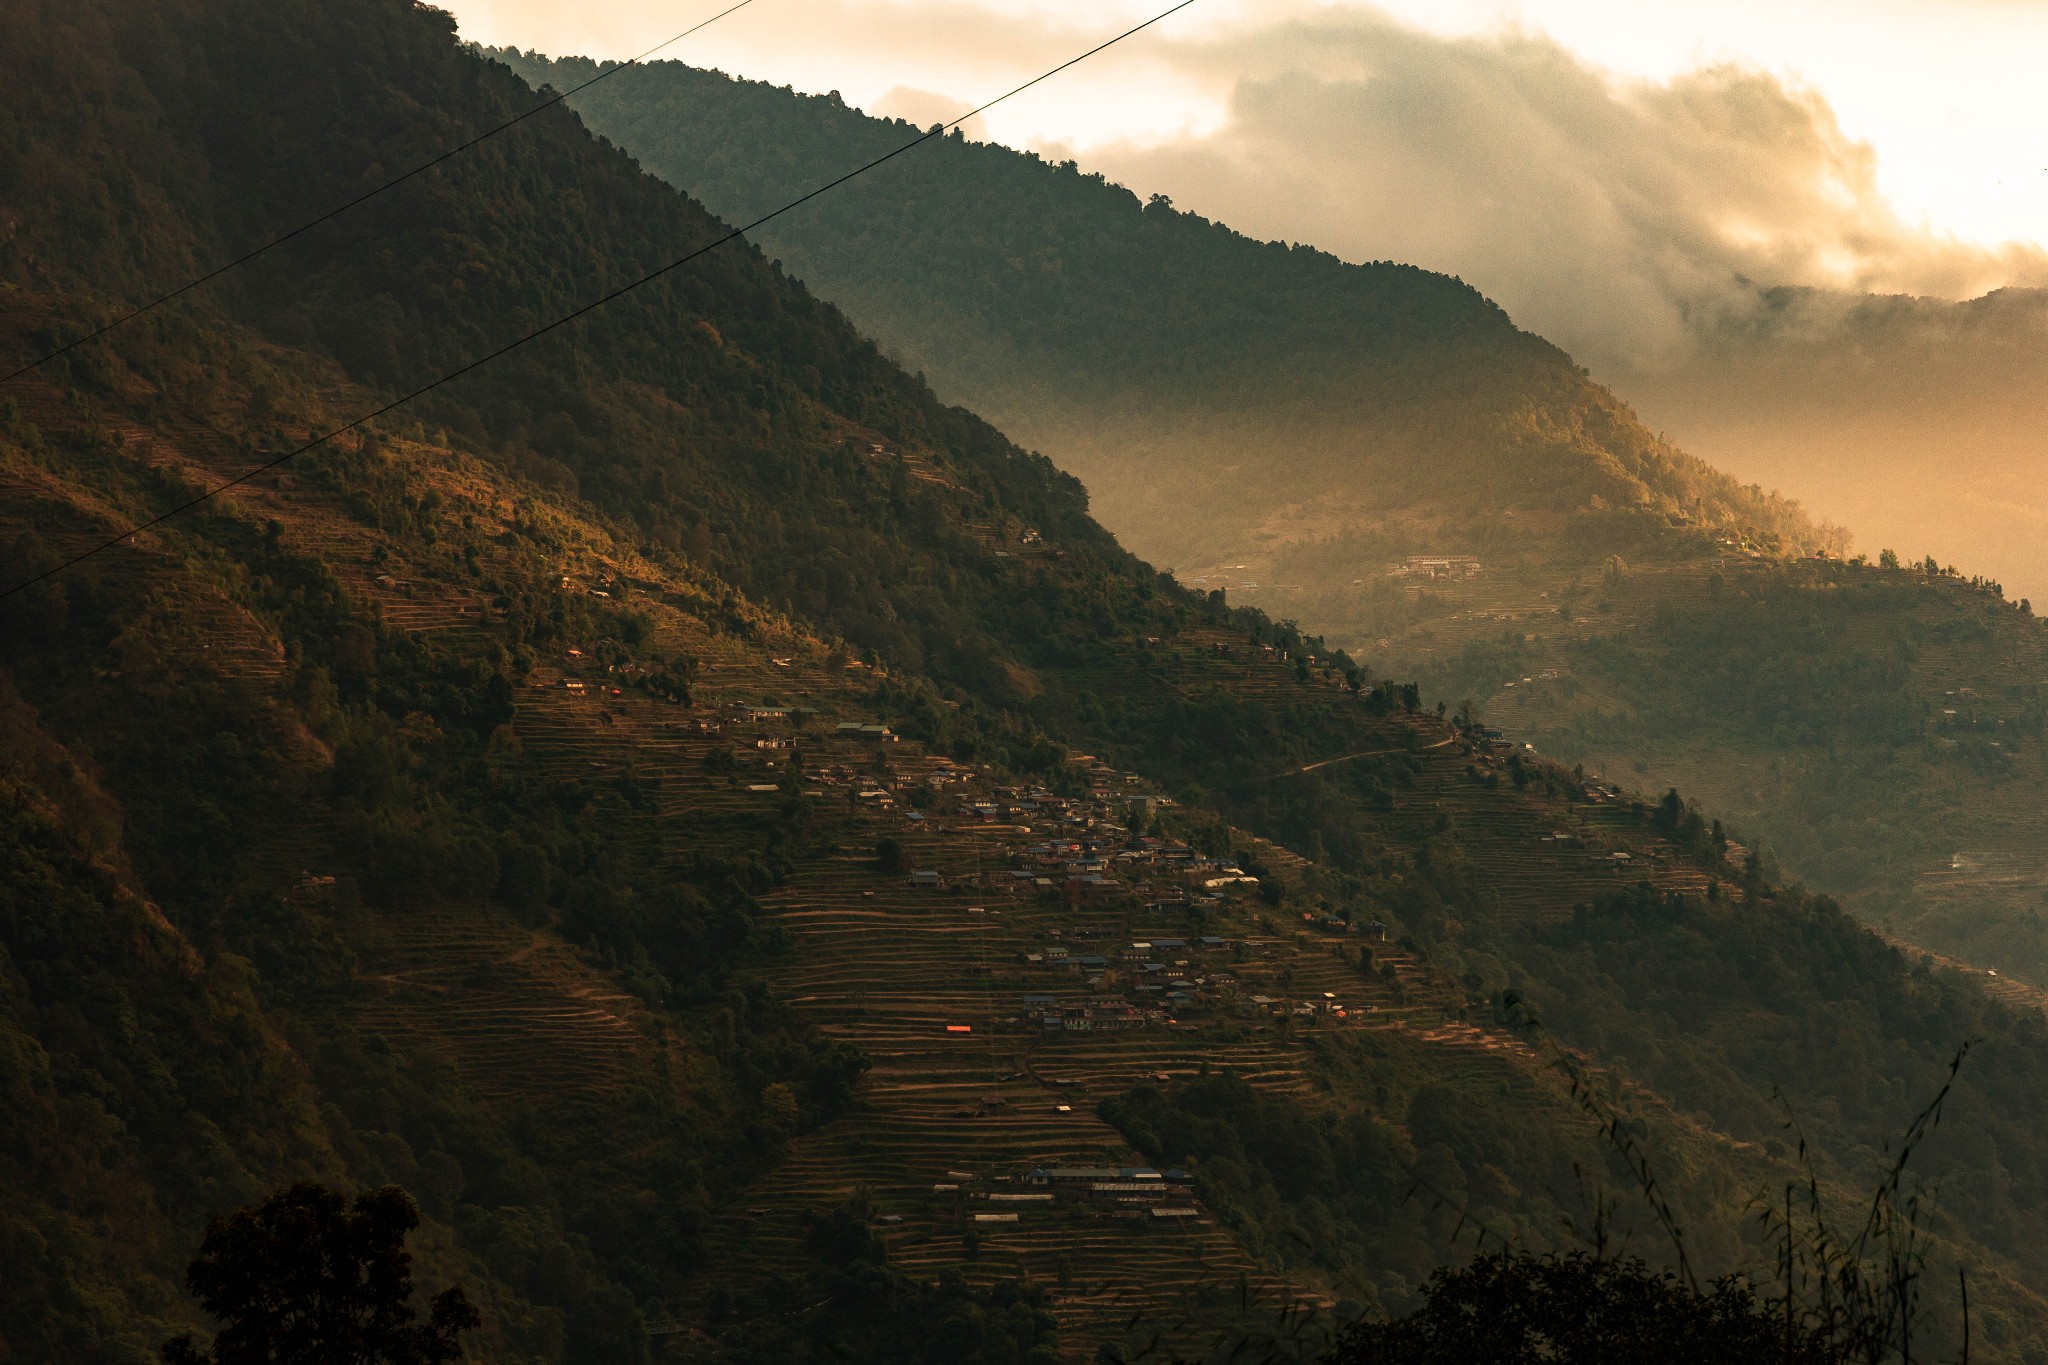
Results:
<point x="1008" y="954"/>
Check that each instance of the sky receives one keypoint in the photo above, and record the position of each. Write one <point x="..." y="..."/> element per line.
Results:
<point x="1614" y="174"/>
<point x="1947" y="92"/>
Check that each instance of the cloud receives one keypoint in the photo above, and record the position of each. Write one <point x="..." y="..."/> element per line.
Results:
<point x="1617" y="216"/>
<point x="923" y="108"/>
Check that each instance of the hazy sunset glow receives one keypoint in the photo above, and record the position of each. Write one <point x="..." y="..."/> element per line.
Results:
<point x="1947" y="95"/>
<point x="1621" y="178"/>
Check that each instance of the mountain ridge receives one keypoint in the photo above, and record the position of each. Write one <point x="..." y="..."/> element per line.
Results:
<point x="1244" y="359"/>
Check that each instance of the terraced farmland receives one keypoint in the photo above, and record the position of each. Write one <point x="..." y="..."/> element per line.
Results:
<point x="946" y="988"/>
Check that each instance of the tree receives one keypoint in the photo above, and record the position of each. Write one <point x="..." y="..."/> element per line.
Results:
<point x="1669" y="812"/>
<point x="888" y="854"/>
<point x="304" y="1279"/>
<point x="1516" y="1309"/>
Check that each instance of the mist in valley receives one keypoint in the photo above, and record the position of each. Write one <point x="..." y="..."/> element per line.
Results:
<point x="1713" y="247"/>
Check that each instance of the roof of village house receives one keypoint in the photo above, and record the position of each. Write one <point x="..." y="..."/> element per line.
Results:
<point x="1097" y="1173"/>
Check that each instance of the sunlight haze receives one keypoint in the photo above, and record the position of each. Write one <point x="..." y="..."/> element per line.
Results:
<point x="1947" y="94"/>
<point x="1624" y="179"/>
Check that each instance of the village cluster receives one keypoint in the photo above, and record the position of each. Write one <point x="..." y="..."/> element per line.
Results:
<point x="1086" y="851"/>
<point x="1074" y="929"/>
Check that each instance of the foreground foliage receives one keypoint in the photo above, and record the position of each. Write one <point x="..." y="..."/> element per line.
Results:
<point x="1575" y="1309"/>
<point x="306" y="1278"/>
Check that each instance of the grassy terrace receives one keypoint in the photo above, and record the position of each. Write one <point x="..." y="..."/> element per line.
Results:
<point x="889" y="967"/>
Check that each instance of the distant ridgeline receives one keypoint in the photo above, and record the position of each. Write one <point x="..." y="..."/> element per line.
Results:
<point x="1303" y="433"/>
<point x="1198" y="381"/>
<point x="633" y="799"/>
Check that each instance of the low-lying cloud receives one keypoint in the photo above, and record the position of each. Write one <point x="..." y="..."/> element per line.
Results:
<point x="1620" y="217"/>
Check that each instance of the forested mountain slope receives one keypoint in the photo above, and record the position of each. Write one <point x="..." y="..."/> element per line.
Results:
<point x="1295" y="431"/>
<point x="465" y="804"/>
<point x="1212" y="391"/>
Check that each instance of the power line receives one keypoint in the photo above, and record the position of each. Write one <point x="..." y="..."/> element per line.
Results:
<point x="937" y="130"/>
<point x="362" y="198"/>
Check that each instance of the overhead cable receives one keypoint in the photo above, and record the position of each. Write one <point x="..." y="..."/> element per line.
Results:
<point x="936" y="130"/>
